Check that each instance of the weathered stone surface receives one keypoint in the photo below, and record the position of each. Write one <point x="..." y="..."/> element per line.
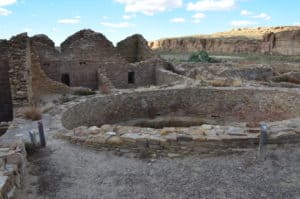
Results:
<point x="291" y="77"/>
<point x="234" y="104"/>
<point x="114" y="140"/>
<point x="135" y="49"/>
<point x="6" y="109"/>
<point x="281" y="40"/>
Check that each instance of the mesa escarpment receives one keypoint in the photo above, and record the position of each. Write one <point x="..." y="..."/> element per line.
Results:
<point x="277" y="40"/>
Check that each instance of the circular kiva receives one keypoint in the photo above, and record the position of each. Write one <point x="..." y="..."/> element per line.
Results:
<point x="185" y="120"/>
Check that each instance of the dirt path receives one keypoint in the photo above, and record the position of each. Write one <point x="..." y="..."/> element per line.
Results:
<point x="66" y="171"/>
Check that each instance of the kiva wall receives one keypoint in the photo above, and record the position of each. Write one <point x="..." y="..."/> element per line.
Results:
<point x="239" y="104"/>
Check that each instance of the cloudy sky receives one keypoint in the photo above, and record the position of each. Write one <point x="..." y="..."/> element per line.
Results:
<point x="154" y="19"/>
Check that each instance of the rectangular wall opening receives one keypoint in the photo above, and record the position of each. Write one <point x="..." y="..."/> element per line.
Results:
<point x="65" y="78"/>
<point x="131" y="77"/>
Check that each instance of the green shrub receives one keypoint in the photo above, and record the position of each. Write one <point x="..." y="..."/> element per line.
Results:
<point x="30" y="148"/>
<point x="201" y="56"/>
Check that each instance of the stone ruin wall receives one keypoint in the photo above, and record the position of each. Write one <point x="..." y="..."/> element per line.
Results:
<point x="134" y="49"/>
<point x="19" y="72"/>
<point x="83" y="53"/>
<point x="48" y="55"/>
<point x="239" y="104"/>
<point x="36" y="66"/>
<point x="5" y="95"/>
<point x="28" y="83"/>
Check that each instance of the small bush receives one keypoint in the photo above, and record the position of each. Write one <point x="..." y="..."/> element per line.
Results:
<point x="84" y="92"/>
<point x="30" y="148"/>
<point x="201" y="56"/>
<point x="32" y="113"/>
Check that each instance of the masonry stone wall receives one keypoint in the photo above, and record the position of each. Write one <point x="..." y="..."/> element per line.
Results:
<point x="6" y="113"/>
<point x="236" y="104"/>
<point x="164" y="76"/>
<point x="48" y="56"/>
<point x="41" y="85"/>
<point x="19" y="70"/>
<point x="135" y="49"/>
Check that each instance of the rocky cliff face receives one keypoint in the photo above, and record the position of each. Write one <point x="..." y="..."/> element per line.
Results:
<point x="279" y="40"/>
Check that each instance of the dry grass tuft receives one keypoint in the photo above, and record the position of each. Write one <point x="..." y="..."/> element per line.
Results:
<point x="104" y="89"/>
<point x="32" y="113"/>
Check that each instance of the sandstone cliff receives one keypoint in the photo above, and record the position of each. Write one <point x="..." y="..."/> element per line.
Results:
<point x="277" y="40"/>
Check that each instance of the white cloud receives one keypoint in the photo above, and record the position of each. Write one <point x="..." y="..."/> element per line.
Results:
<point x="73" y="20"/>
<point x="178" y="20"/>
<point x="246" y="13"/>
<point x="263" y="16"/>
<point x="242" y="23"/>
<point x="117" y="25"/>
<point x="296" y="24"/>
<point x="198" y="16"/>
<point x="4" y="12"/>
<point x="196" y="21"/>
<point x="148" y="7"/>
<point x="7" y="2"/>
<point x="211" y="5"/>
<point x="128" y="17"/>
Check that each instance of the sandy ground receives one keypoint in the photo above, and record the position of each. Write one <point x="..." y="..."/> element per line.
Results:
<point x="66" y="171"/>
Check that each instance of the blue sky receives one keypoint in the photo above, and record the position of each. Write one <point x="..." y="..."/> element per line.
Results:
<point x="155" y="19"/>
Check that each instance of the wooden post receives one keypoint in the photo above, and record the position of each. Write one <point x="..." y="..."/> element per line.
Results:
<point x="32" y="138"/>
<point x="42" y="134"/>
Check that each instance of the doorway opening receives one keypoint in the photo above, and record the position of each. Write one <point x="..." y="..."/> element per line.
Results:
<point x="131" y="77"/>
<point x="65" y="78"/>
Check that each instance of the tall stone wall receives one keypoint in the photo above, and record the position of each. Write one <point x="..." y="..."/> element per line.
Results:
<point x="41" y="85"/>
<point x="48" y="56"/>
<point x="143" y="74"/>
<point x="20" y="64"/>
<point x="6" y="113"/>
<point x="83" y="53"/>
<point x="19" y="70"/>
<point x="135" y="49"/>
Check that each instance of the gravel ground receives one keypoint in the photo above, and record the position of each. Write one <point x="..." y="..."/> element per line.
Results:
<point x="66" y="171"/>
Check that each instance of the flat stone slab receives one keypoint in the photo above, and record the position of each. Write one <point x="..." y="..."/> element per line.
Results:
<point x="203" y="139"/>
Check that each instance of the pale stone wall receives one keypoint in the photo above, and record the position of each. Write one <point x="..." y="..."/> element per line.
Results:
<point x="236" y="104"/>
